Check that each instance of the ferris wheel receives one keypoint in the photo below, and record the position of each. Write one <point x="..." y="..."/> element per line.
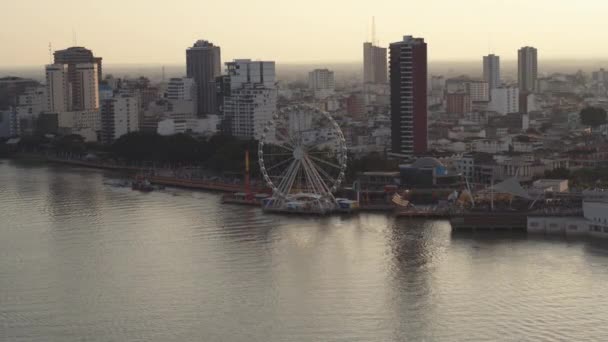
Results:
<point x="302" y="153"/>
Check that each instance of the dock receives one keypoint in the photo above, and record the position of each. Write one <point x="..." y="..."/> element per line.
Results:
<point x="199" y="184"/>
<point x="490" y="221"/>
<point x="424" y="214"/>
<point x="94" y="164"/>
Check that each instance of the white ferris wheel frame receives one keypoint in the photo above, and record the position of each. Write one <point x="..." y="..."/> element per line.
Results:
<point x="301" y="159"/>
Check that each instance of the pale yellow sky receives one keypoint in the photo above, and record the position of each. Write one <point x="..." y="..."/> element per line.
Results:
<point x="155" y="31"/>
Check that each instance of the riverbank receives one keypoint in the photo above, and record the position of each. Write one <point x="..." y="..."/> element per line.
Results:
<point x="155" y="176"/>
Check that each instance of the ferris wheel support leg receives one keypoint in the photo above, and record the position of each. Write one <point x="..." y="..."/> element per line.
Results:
<point x="311" y="177"/>
<point x="315" y="171"/>
<point x="283" y="184"/>
<point x="292" y="177"/>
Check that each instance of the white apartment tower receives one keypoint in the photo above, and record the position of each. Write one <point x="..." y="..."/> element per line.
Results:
<point x="119" y="116"/>
<point x="321" y="82"/>
<point x="249" y="97"/>
<point x="181" y="89"/>
<point x="89" y="85"/>
<point x="505" y="100"/>
<point x="491" y="70"/>
<point x="57" y="88"/>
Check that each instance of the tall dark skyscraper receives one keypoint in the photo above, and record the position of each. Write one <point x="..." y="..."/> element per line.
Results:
<point x="527" y="69"/>
<point x="491" y="70"/>
<point x="408" y="81"/>
<point x="72" y="57"/>
<point x="203" y="63"/>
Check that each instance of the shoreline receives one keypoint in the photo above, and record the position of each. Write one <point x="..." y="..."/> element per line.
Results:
<point x="214" y="186"/>
<point x="185" y="183"/>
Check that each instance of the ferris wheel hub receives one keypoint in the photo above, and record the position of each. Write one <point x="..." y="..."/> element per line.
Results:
<point x="298" y="153"/>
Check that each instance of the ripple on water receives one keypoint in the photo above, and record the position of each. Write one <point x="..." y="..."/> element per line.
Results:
<point x="83" y="260"/>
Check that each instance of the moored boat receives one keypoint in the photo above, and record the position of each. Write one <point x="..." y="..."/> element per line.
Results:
<point x="141" y="183"/>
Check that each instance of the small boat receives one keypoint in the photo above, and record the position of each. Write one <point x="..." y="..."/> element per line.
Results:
<point x="346" y="205"/>
<point x="142" y="184"/>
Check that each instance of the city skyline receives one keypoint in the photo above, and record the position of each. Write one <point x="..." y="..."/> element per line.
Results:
<point x="279" y="33"/>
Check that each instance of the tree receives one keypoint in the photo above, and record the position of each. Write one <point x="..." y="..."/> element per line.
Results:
<point x="72" y="143"/>
<point x="559" y="173"/>
<point x="141" y="146"/>
<point x="593" y="116"/>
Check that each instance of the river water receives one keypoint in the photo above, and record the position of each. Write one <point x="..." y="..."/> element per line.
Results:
<point x="83" y="260"/>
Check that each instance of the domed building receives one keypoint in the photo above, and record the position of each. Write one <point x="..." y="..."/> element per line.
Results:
<point x="427" y="163"/>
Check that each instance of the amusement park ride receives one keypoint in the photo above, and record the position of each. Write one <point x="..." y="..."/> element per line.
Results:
<point x="302" y="158"/>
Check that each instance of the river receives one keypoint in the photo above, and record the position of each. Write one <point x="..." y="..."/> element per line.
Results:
<point x="83" y="260"/>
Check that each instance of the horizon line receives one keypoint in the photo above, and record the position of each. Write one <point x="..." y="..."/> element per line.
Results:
<point x="312" y="62"/>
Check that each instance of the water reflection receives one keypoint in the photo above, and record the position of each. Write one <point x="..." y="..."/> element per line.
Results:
<point x="83" y="260"/>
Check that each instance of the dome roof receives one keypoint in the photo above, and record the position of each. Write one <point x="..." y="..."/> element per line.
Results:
<point x="426" y="163"/>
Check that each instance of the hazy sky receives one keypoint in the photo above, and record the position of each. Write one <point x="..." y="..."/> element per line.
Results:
<point x="158" y="31"/>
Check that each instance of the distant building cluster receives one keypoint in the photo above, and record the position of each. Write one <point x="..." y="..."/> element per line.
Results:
<point x="484" y="127"/>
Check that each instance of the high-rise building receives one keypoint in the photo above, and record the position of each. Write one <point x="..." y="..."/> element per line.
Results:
<point x="249" y="96"/>
<point x="478" y="89"/>
<point x="119" y="116"/>
<point x="600" y="76"/>
<point x="88" y="86"/>
<point x="57" y="88"/>
<point x="527" y="69"/>
<point x="458" y="103"/>
<point x="321" y="82"/>
<point x="72" y="57"/>
<point x="146" y="96"/>
<point x="203" y="64"/>
<point x="181" y="89"/>
<point x="78" y="55"/>
<point x="408" y="81"/>
<point x="11" y="87"/>
<point x="9" y="124"/>
<point x="28" y="108"/>
<point x="355" y="106"/>
<point x="181" y="96"/>
<point x="374" y="64"/>
<point x="491" y="70"/>
<point x="86" y="123"/>
<point x="505" y="100"/>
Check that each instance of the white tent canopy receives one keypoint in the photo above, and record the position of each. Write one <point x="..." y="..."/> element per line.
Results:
<point x="511" y="186"/>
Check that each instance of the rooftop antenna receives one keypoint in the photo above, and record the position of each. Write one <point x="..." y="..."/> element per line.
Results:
<point x="74" y="40"/>
<point x="50" y="53"/>
<point x="490" y="48"/>
<point x="374" y="31"/>
<point x="163" y="73"/>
